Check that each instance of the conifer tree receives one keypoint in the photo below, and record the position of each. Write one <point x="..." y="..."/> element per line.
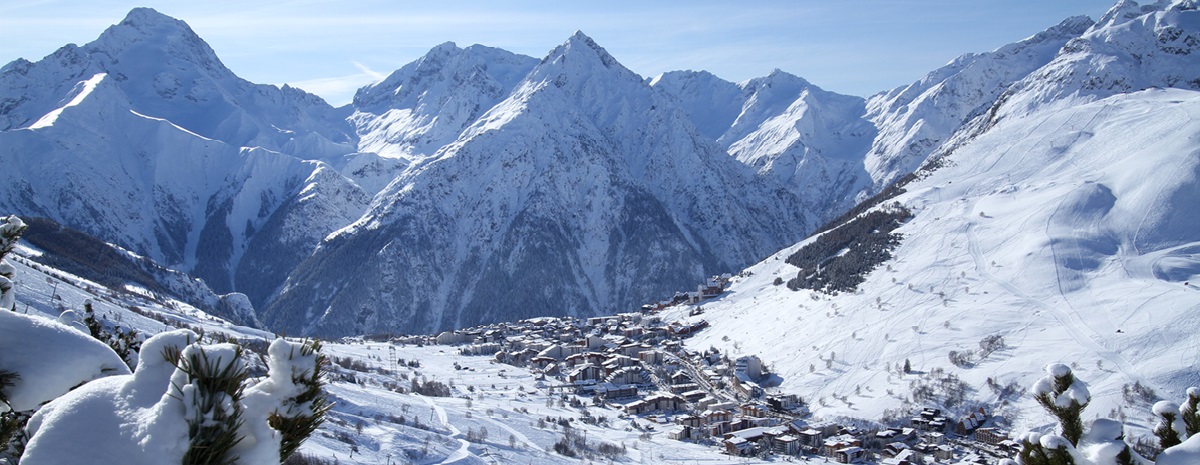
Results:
<point x="1065" y="398"/>
<point x="11" y="229"/>
<point x="1189" y="412"/>
<point x="1168" y="428"/>
<point x="210" y="384"/>
<point x="300" y="415"/>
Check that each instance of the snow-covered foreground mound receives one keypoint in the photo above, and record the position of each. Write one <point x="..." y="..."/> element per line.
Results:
<point x="1069" y="233"/>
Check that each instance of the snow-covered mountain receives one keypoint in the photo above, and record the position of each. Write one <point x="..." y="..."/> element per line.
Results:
<point x="144" y="139"/>
<point x="584" y="190"/>
<point x="1060" y="218"/>
<point x="478" y="185"/>
<point x="788" y="130"/>
<point x="427" y="103"/>
<point x="915" y="120"/>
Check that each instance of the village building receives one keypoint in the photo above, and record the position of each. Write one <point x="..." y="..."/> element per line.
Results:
<point x="585" y="372"/>
<point x="991" y="436"/>
<point x="905" y="457"/>
<point x="969" y="423"/>
<point x="661" y="401"/>
<point x="852" y="454"/>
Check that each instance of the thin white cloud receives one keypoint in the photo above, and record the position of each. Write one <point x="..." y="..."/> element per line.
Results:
<point x="339" y="90"/>
<point x="375" y="75"/>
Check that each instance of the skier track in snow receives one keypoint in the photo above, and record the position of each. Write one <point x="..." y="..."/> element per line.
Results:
<point x="1067" y="321"/>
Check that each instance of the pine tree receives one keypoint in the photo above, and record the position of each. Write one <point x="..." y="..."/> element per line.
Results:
<point x="1189" y="412"/>
<point x="1167" y="429"/>
<point x="907" y="367"/>
<point x="1049" y="392"/>
<point x="299" y="416"/>
<point x="10" y="422"/>
<point x="10" y="231"/>
<point x="211" y="387"/>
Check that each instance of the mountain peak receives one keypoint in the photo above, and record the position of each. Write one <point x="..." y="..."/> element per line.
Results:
<point x="580" y="44"/>
<point x="145" y="15"/>
<point x="146" y="30"/>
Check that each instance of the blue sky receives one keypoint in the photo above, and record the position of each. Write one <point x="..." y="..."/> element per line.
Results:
<point x="855" y="47"/>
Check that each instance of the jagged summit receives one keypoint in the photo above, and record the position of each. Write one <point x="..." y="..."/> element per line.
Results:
<point x="579" y="52"/>
<point x="145" y="31"/>
<point x="426" y="104"/>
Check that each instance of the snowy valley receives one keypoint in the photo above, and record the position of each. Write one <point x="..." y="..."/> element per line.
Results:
<point x="503" y="252"/>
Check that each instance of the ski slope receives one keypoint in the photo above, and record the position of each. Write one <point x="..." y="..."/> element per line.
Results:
<point x="1068" y="232"/>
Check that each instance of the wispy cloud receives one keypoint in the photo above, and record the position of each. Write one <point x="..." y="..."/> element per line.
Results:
<point x="339" y="90"/>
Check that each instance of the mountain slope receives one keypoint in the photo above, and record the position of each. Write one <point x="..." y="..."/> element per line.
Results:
<point x="915" y="120"/>
<point x="142" y="138"/>
<point x="1042" y="231"/>
<point x="427" y="103"/>
<point x="791" y="132"/>
<point x="583" y="191"/>
<point x="1063" y="225"/>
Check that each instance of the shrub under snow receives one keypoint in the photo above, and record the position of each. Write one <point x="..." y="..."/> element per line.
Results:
<point x="175" y="398"/>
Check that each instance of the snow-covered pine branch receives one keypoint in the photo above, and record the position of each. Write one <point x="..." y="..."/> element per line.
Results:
<point x="10" y="230"/>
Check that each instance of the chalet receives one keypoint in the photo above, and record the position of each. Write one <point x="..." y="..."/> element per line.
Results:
<point x="754" y="410"/>
<point x="943" y="452"/>
<point x="972" y="459"/>
<point x="751" y="365"/>
<point x="629" y="375"/>
<point x="895" y="448"/>
<point x="541" y="363"/>
<point x="680" y="432"/>
<point x="657" y="402"/>
<point x="834" y="444"/>
<point x="968" y="424"/>
<point x="554" y="351"/>
<point x="746" y="388"/>
<point x="602" y="320"/>
<point x="690" y="420"/>
<point x="783" y="403"/>
<point x="905" y="457"/>
<point x="686" y="330"/>
<point x="629" y="349"/>
<point x="573" y="360"/>
<point x="585" y="372"/>
<point x="682" y="388"/>
<point x="710" y="288"/>
<point x="447" y="338"/>
<point x="991" y="436"/>
<point x="786" y="444"/>
<point x="481" y="349"/>
<point x="621" y="361"/>
<point x="693" y="396"/>
<point x="650" y="357"/>
<point x="811" y="438"/>
<point x="706" y="403"/>
<point x="632" y="331"/>
<point x="595" y="358"/>
<point x="738" y="446"/>
<point x="680" y="377"/>
<point x="850" y="455"/>
<point x="749" y="434"/>
<point x="610" y="391"/>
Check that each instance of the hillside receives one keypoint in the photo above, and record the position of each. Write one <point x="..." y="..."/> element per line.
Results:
<point x="1042" y="231"/>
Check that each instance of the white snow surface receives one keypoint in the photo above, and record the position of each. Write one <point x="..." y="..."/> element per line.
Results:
<point x="1043" y="230"/>
<point x="130" y="419"/>
<point x="50" y="358"/>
